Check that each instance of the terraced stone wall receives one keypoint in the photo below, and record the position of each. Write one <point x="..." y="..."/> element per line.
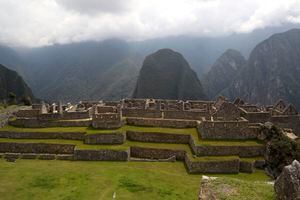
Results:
<point x="222" y="166"/>
<point x="247" y="166"/>
<point x="158" y="137"/>
<point x="12" y="147"/>
<point x="35" y="123"/>
<point x="101" y="155"/>
<point x="172" y="123"/>
<point x="43" y="135"/>
<point x="217" y="150"/>
<point x="154" y="153"/>
<point x="111" y="138"/>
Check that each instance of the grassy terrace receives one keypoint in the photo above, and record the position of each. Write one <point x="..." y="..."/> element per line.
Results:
<point x="188" y="131"/>
<point x="40" y="179"/>
<point x="90" y="130"/>
<point x="80" y="145"/>
<point x="252" y="159"/>
<point x="212" y="158"/>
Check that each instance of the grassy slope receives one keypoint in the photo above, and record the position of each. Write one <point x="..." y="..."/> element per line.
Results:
<point x="36" y="179"/>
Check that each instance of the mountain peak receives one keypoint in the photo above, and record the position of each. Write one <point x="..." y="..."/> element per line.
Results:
<point x="165" y="74"/>
<point x="223" y="72"/>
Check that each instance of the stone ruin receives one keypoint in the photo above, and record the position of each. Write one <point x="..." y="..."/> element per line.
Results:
<point x="106" y="117"/>
<point x="212" y="120"/>
<point x="221" y="115"/>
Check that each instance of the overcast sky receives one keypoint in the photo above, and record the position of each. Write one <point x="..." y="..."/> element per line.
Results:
<point x="44" y="22"/>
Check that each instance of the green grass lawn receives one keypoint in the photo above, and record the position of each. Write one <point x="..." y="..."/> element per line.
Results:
<point x="39" y="179"/>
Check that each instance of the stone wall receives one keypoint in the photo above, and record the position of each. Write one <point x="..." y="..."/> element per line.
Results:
<point x="227" y="130"/>
<point x="43" y="135"/>
<point x="292" y="121"/>
<point x="75" y="115"/>
<point x="257" y="117"/>
<point x="105" y="138"/>
<point x="35" y="123"/>
<point x="172" y="123"/>
<point x="242" y="151"/>
<point x="158" y="137"/>
<point x="101" y="155"/>
<point x="143" y="113"/>
<point x="247" y="166"/>
<point x="155" y="153"/>
<point x="106" y="109"/>
<point x="28" y="113"/>
<point x="221" y="166"/>
<point x="13" y="147"/>
<point x="192" y="115"/>
<point x="50" y="116"/>
<point x="107" y="121"/>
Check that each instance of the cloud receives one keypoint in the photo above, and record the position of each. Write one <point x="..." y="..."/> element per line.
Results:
<point x="44" y="22"/>
<point x="92" y="7"/>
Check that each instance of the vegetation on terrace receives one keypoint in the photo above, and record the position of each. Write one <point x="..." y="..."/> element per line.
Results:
<point x="127" y="144"/>
<point x="189" y="131"/>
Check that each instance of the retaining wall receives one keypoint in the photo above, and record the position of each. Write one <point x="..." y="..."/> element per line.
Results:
<point x="225" y="166"/>
<point x="101" y="155"/>
<point x="247" y="166"/>
<point x="43" y="135"/>
<point x="158" y="137"/>
<point x="242" y="151"/>
<point x="12" y="147"/>
<point x="35" y="123"/>
<point x="107" y="124"/>
<point x="154" y="153"/>
<point x="105" y="138"/>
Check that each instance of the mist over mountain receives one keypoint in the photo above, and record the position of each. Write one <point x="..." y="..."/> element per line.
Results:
<point x="89" y="70"/>
<point x="108" y="69"/>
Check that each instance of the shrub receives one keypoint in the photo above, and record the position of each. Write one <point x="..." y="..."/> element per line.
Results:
<point x="281" y="151"/>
